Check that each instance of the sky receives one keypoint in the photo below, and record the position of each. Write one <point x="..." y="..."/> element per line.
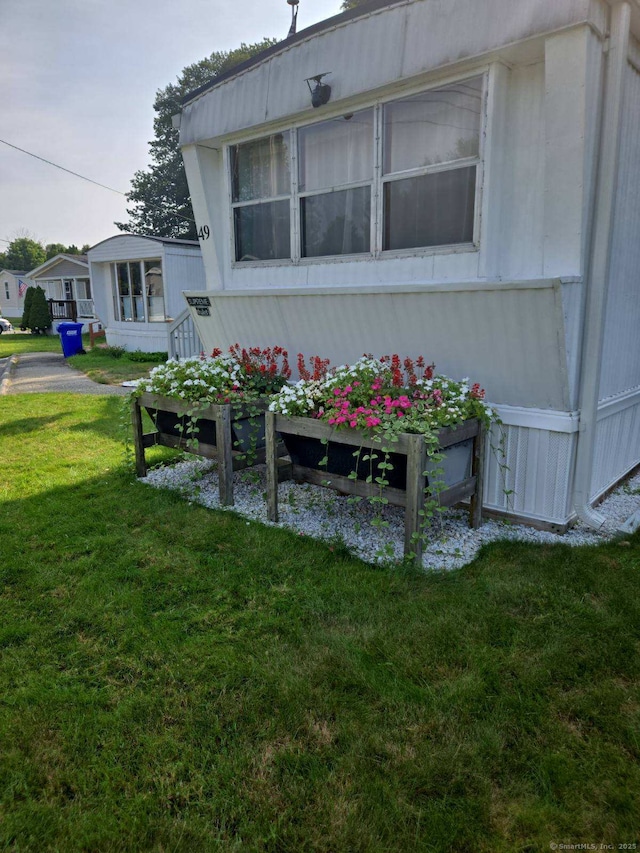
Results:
<point x="78" y="79"/>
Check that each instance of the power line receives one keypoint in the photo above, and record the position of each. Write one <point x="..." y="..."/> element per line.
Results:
<point x="90" y="180"/>
<point x="50" y="163"/>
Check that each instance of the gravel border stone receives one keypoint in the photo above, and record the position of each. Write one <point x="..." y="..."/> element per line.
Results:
<point x="323" y="514"/>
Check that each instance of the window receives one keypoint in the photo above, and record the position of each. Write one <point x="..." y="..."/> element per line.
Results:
<point x="261" y="189"/>
<point x="335" y="161"/>
<point x="154" y="288"/>
<point x="6" y="290"/>
<point x="398" y="176"/>
<point x="139" y="291"/>
<point x="431" y="147"/>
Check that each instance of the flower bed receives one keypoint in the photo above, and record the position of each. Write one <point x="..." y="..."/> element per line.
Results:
<point x="386" y="429"/>
<point x="212" y="407"/>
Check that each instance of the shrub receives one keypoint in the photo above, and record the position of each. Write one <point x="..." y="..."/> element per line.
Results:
<point x="138" y="356"/>
<point x="28" y="299"/>
<point x="39" y="314"/>
<point x="114" y="352"/>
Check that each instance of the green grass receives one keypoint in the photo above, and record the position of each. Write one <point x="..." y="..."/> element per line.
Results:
<point x="102" y="367"/>
<point x="179" y="679"/>
<point x="20" y="342"/>
<point x="96" y="363"/>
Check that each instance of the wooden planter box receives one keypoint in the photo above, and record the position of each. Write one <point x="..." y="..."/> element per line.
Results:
<point x="224" y="433"/>
<point x="409" y="457"/>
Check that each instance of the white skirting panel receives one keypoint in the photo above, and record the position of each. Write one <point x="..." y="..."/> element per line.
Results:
<point x="617" y="441"/>
<point x="536" y="470"/>
<point x="132" y="339"/>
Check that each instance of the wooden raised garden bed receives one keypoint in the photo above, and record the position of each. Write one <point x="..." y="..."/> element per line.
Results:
<point x="231" y="434"/>
<point x="408" y="482"/>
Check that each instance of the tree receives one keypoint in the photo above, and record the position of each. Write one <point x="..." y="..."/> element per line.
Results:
<point x="26" y="309"/>
<point x="53" y="249"/>
<point x="159" y="196"/>
<point x="39" y="314"/>
<point x="351" y="4"/>
<point x="24" y="254"/>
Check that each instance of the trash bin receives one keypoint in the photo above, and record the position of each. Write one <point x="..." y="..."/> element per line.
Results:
<point x="71" y="338"/>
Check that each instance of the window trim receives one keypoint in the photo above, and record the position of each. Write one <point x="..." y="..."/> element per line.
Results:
<point x="228" y="161"/>
<point x="377" y="252"/>
<point x="113" y="266"/>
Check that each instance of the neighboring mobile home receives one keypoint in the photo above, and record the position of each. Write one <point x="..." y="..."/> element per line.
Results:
<point x="469" y="191"/>
<point x="13" y="286"/>
<point x="138" y="283"/>
<point x="65" y="281"/>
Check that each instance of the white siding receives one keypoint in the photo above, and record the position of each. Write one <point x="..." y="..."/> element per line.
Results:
<point x="183" y="270"/>
<point x="102" y="292"/>
<point x="507" y="337"/>
<point x="520" y="231"/>
<point x="621" y="351"/>
<point x="617" y="441"/>
<point x="536" y="471"/>
<point x="424" y="35"/>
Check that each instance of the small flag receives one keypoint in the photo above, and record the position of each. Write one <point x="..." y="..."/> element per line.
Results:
<point x="22" y="287"/>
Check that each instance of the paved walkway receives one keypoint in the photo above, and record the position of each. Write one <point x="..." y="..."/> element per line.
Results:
<point x="35" y="372"/>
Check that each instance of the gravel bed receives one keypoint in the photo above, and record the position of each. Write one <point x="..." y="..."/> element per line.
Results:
<point x="323" y="514"/>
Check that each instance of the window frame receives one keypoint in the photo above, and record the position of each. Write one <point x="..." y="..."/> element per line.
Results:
<point x="117" y="313"/>
<point x="377" y="183"/>
<point x="234" y="205"/>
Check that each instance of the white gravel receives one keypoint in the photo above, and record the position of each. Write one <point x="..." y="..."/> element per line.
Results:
<point x="323" y="514"/>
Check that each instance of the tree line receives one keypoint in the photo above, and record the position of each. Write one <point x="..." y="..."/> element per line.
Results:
<point x="25" y="253"/>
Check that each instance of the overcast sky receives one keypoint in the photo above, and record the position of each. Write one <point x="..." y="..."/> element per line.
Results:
<point x="77" y="83"/>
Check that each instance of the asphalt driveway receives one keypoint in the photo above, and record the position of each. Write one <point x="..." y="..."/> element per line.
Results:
<point x="37" y="372"/>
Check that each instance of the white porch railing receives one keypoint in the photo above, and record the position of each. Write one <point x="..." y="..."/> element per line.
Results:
<point x="184" y="341"/>
<point x="85" y="308"/>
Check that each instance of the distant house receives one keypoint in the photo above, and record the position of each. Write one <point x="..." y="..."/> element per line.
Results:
<point x="137" y="283"/>
<point x="65" y="281"/>
<point x="467" y="190"/>
<point x="13" y="286"/>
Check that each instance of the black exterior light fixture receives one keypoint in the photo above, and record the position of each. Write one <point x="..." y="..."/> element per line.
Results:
<point x="321" y="93"/>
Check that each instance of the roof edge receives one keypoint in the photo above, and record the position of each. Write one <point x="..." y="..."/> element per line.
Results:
<point x="314" y="29"/>
<point x="165" y="240"/>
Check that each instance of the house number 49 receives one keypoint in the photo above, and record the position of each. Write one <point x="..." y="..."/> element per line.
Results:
<point x="203" y="233"/>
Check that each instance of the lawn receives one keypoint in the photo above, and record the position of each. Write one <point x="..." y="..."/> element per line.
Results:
<point x="98" y="363"/>
<point x="15" y="343"/>
<point x="178" y="679"/>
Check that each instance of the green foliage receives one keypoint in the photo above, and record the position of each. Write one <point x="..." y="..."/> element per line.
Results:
<point x="138" y="355"/>
<point x="351" y="4"/>
<point x="113" y="351"/>
<point x="53" y="249"/>
<point x="159" y="196"/>
<point x="26" y="309"/>
<point x="178" y="679"/>
<point x="24" y="254"/>
<point x="39" y="314"/>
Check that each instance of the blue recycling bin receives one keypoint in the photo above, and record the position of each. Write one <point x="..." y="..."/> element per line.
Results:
<point x="70" y="338"/>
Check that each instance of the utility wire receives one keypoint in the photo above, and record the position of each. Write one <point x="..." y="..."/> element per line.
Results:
<point x="104" y="186"/>
<point x="90" y="180"/>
